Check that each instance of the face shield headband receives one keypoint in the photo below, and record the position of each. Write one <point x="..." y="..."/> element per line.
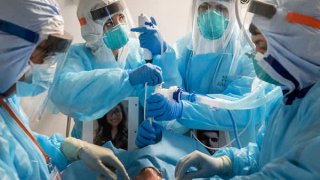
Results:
<point x="55" y="43"/>
<point x="107" y="11"/>
<point x="268" y="10"/>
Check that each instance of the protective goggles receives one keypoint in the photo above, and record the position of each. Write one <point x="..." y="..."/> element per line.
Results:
<point x="55" y="43"/>
<point x="107" y="11"/>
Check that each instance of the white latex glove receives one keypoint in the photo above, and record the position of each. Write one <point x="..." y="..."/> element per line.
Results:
<point x="206" y="166"/>
<point x="92" y="31"/>
<point x="99" y="159"/>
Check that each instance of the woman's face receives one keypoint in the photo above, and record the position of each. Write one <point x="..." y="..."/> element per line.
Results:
<point x="114" y="117"/>
<point x="114" y="21"/>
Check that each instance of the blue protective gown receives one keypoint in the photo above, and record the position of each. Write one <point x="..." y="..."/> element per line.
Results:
<point x="86" y="89"/>
<point x="209" y="74"/>
<point x="176" y="146"/>
<point x="20" y="158"/>
<point x="287" y="147"/>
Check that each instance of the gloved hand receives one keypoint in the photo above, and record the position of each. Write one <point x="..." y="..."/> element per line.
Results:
<point x="150" y="38"/>
<point x="162" y="108"/>
<point x="206" y="166"/>
<point x="149" y="73"/>
<point x="95" y="157"/>
<point x="51" y="146"/>
<point x="148" y="134"/>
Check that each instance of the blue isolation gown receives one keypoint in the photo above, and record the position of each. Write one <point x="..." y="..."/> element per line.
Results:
<point x="162" y="156"/>
<point x="209" y="74"/>
<point x="287" y="146"/>
<point x="20" y="158"/>
<point x="86" y="89"/>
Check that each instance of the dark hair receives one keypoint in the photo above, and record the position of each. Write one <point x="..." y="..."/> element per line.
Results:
<point x="203" y="131"/>
<point x="104" y="131"/>
<point x="200" y="133"/>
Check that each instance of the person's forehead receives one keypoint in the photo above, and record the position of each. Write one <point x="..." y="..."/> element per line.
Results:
<point x="214" y="2"/>
<point x="212" y="5"/>
<point x="211" y="134"/>
<point x="117" y="108"/>
<point x="118" y="14"/>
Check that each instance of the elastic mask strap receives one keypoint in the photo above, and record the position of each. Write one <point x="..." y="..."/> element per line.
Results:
<point x="19" y="31"/>
<point x="297" y="18"/>
<point x="13" y="115"/>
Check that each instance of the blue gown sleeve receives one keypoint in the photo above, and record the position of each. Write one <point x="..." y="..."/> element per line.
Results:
<point x="182" y="49"/>
<point x="7" y="149"/>
<point x="297" y="147"/>
<point x="51" y="146"/>
<point x="87" y="93"/>
<point x="169" y="65"/>
<point x="244" y="160"/>
<point x="200" y="116"/>
<point x="240" y="82"/>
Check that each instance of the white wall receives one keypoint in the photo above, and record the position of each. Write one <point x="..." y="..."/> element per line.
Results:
<point x="172" y="17"/>
<point x="69" y="13"/>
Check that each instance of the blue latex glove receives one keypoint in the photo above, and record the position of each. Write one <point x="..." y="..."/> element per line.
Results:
<point x="51" y="146"/>
<point x="150" y="38"/>
<point x="163" y="109"/>
<point x="149" y="73"/>
<point x="148" y="135"/>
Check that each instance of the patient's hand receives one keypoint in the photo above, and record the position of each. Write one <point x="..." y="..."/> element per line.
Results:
<point x="148" y="173"/>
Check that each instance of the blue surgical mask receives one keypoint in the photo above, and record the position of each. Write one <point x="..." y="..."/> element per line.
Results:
<point x="38" y="79"/>
<point x="116" y="37"/>
<point x="212" y="24"/>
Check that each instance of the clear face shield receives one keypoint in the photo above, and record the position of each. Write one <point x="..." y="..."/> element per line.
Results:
<point x="282" y="24"/>
<point x="258" y="9"/>
<point x="213" y="22"/>
<point x="45" y="47"/>
<point x="38" y="76"/>
<point x="117" y="24"/>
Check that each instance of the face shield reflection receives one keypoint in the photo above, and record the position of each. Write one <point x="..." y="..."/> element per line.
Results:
<point x="117" y="24"/>
<point x="212" y="25"/>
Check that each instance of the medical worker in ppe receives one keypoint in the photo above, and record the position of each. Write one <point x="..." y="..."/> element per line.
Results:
<point x="35" y="36"/>
<point x="291" y="139"/>
<point x="211" y="61"/>
<point x="107" y="68"/>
